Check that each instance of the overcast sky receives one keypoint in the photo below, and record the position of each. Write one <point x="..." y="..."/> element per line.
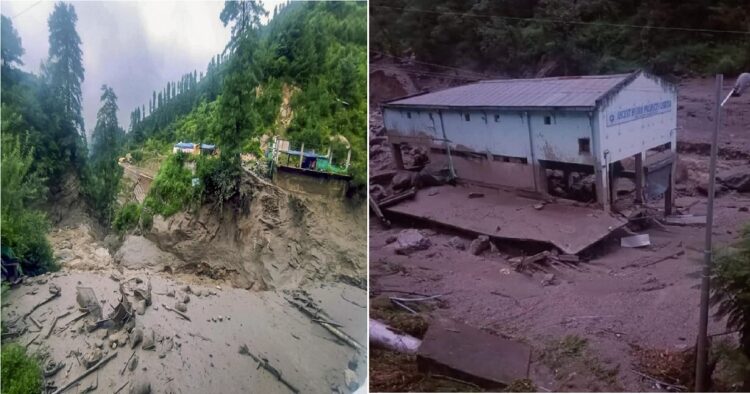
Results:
<point x="134" y="47"/>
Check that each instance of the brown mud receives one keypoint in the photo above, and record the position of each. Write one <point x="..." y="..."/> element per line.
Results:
<point x="582" y="320"/>
<point x="232" y="271"/>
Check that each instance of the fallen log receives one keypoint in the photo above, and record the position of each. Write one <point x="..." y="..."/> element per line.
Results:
<point x="52" y="297"/>
<point x="397" y="198"/>
<point x="376" y="210"/>
<point x="387" y="337"/>
<point x="333" y="330"/>
<point x="182" y="315"/>
<point x="86" y="373"/>
<point x="262" y="362"/>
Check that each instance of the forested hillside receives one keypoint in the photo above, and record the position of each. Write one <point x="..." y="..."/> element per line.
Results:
<point x="566" y="37"/>
<point x="315" y="53"/>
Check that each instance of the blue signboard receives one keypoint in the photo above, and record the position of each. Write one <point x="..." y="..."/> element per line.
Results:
<point x="640" y="112"/>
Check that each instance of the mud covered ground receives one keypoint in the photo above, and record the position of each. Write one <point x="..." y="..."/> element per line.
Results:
<point x="589" y="324"/>
<point x="234" y="273"/>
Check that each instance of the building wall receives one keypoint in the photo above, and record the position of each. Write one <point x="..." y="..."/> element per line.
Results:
<point x="558" y="141"/>
<point x="497" y="133"/>
<point x="641" y="116"/>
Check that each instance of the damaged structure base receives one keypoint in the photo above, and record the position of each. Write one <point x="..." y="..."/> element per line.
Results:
<point x="505" y="215"/>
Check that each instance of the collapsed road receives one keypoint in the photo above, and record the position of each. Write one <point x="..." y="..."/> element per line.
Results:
<point x="596" y="317"/>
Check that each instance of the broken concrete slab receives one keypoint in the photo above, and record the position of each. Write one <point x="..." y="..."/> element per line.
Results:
<point x="502" y="214"/>
<point x="635" y="241"/>
<point x="455" y="349"/>
<point x="685" y="220"/>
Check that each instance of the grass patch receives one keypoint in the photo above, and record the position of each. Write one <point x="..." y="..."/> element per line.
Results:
<point x="172" y="189"/>
<point x="576" y="368"/>
<point x="21" y="373"/>
<point x="397" y="372"/>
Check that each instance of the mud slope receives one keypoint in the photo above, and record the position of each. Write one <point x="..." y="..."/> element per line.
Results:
<point x="272" y="239"/>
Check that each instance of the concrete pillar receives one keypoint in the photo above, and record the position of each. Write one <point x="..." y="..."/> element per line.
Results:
<point x="301" y="154"/>
<point x="601" y="174"/>
<point x="639" y="176"/>
<point x="397" y="158"/>
<point x="542" y="184"/>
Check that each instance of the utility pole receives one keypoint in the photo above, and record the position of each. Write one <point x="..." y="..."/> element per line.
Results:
<point x="701" y="356"/>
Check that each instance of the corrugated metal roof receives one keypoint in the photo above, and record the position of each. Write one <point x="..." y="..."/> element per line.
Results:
<point x="580" y="91"/>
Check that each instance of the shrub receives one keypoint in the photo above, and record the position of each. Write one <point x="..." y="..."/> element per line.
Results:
<point x="127" y="217"/>
<point x="21" y="374"/>
<point x="172" y="190"/>
<point x="730" y="291"/>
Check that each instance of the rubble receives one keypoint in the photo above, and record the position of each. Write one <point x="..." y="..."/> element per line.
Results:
<point x="180" y="307"/>
<point x="92" y="357"/>
<point x="350" y="379"/>
<point x="479" y="245"/>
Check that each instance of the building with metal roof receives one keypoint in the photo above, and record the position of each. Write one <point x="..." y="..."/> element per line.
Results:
<point x="515" y="132"/>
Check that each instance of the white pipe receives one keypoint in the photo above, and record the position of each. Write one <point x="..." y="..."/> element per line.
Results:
<point x="384" y="336"/>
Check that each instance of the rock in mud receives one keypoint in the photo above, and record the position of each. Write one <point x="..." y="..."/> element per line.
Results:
<point x="198" y="292"/>
<point x="186" y="289"/>
<point x="378" y="192"/>
<point x="133" y="364"/>
<point x="185" y="299"/>
<point x="170" y="293"/>
<point x="140" y="386"/>
<point x="350" y="378"/>
<point x="402" y="181"/>
<point x="479" y="245"/>
<point x="180" y="307"/>
<point x="91" y="358"/>
<point x="457" y="242"/>
<point x="736" y="179"/>
<point x="136" y="337"/>
<point x="54" y="289"/>
<point x="140" y="307"/>
<point x="148" y="340"/>
<point x="548" y="280"/>
<point x="411" y="240"/>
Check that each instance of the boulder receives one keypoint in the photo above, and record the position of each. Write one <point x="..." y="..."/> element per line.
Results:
<point x="457" y="242"/>
<point x="411" y="240"/>
<point x="479" y="245"/>
<point x="402" y="181"/>
<point x="736" y="179"/>
<point x="350" y="378"/>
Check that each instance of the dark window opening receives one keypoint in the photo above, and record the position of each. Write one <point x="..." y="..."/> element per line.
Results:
<point x="467" y="117"/>
<point x="408" y="115"/>
<point x="584" y="145"/>
<point x="547" y="120"/>
<point x="497" y="118"/>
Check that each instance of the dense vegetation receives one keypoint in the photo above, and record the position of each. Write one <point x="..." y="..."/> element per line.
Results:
<point x="42" y="135"/>
<point x="567" y="37"/>
<point x="21" y="373"/>
<point x="731" y="292"/>
<point x="316" y="52"/>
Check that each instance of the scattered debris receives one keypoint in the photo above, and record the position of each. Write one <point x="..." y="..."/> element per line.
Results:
<point x="635" y="241"/>
<point x="148" y="340"/>
<point x="307" y="306"/>
<point x="182" y="315"/>
<point x="54" y="321"/>
<point x="52" y="297"/>
<point x="263" y="362"/>
<point x="52" y="368"/>
<point x="53" y="288"/>
<point x="127" y="362"/>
